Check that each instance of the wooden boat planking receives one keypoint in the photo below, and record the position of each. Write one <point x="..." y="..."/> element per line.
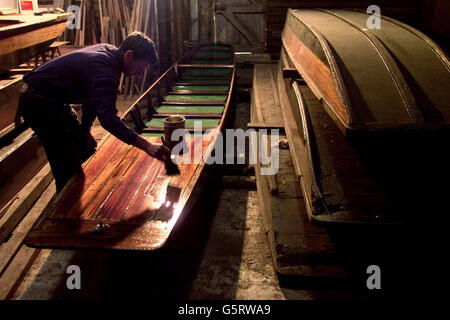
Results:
<point x="24" y="36"/>
<point x="124" y="188"/>
<point x="370" y="80"/>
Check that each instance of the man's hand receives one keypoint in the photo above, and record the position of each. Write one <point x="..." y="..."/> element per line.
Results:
<point x="158" y="151"/>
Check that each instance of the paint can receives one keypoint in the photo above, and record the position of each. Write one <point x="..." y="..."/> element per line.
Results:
<point x="170" y="125"/>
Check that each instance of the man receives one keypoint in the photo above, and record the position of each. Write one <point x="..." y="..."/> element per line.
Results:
<point x="89" y="76"/>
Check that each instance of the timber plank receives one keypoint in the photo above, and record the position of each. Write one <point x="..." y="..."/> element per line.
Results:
<point x="24" y="201"/>
<point x="19" y="162"/>
<point x="9" y="248"/>
<point x="17" y="258"/>
<point x="16" y="271"/>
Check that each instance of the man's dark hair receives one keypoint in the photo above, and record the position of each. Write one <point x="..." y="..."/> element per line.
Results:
<point x="142" y="46"/>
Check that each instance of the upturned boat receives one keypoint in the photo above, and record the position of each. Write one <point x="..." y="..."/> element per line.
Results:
<point x="366" y="113"/>
<point x="391" y="78"/>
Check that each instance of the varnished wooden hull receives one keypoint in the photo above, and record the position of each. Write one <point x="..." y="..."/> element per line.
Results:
<point x="27" y="36"/>
<point x="393" y="78"/>
<point x="126" y="189"/>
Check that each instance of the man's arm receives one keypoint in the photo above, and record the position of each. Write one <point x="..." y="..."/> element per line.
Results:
<point x="104" y="96"/>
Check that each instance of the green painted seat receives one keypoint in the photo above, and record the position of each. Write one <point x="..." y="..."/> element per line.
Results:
<point x="207" y="72"/>
<point x="213" y="55"/>
<point x="189" y="109"/>
<point x="223" y="61"/>
<point x="209" y="80"/>
<point x="206" y="122"/>
<point x="200" y="88"/>
<point x="181" y="97"/>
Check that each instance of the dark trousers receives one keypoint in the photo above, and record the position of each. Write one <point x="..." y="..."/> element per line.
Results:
<point x="59" y="130"/>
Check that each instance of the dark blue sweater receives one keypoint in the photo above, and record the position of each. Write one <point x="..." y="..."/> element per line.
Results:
<point x="89" y="76"/>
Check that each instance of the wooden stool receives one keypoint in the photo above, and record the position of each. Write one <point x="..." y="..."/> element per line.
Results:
<point x="49" y="53"/>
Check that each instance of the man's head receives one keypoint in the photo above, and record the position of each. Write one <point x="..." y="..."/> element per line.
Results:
<point x="138" y="53"/>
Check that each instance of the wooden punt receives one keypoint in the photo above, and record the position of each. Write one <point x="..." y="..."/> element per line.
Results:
<point x="126" y="189"/>
<point x="24" y="36"/>
<point x="393" y="78"/>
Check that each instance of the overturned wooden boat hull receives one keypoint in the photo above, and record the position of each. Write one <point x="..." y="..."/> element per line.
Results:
<point x="393" y="78"/>
<point x="24" y="36"/>
<point x="129" y="191"/>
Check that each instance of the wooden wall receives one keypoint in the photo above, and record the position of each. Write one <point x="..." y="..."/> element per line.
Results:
<point x="8" y="4"/>
<point x="435" y="16"/>
<point x="241" y="23"/>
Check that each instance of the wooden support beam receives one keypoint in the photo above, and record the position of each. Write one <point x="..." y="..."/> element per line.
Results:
<point x="205" y="21"/>
<point x="265" y="125"/>
<point x="16" y="257"/>
<point x="172" y="37"/>
<point x="24" y="200"/>
<point x="205" y="66"/>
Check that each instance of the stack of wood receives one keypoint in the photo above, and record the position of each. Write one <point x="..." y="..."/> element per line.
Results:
<point x="114" y="16"/>
<point x="87" y="33"/>
<point x="167" y="23"/>
<point x="144" y="18"/>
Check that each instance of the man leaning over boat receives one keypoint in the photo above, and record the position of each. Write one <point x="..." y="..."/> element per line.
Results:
<point x="89" y="76"/>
